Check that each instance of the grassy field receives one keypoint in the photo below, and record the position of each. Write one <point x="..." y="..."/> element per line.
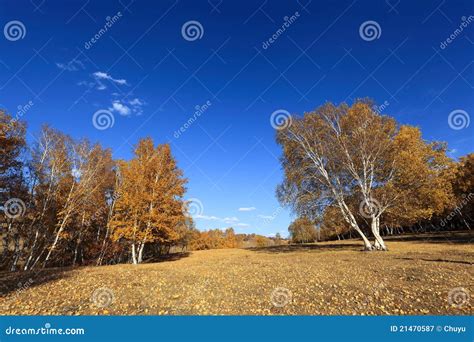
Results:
<point x="422" y="275"/>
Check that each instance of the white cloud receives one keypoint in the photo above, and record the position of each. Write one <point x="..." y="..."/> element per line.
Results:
<point x="73" y="65"/>
<point x="126" y="108"/>
<point x="247" y="209"/>
<point x="206" y="217"/>
<point x="100" y="75"/>
<point x="266" y="217"/>
<point x="230" y="219"/>
<point x="136" y="102"/>
<point x="120" y="108"/>
<point x="227" y="220"/>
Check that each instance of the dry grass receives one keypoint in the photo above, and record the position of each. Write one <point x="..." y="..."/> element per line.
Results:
<point x="414" y="277"/>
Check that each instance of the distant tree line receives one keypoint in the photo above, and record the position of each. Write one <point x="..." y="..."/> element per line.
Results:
<point x="350" y="170"/>
<point x="218" y="238"/>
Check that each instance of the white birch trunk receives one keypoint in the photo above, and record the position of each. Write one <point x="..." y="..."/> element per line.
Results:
<point x="375" y="226"/>
<point x="134" y="254"/>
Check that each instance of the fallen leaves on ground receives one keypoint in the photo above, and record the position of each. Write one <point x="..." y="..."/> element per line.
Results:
<point x="333" y="278"/>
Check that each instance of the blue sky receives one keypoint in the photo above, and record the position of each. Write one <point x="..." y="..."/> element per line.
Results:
<point x="150" y="73"/>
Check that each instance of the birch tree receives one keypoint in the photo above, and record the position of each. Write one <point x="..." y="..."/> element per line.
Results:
<point x="340" y="156"/>
<point x="149" y="209"/>
<point x="315" y="177"/>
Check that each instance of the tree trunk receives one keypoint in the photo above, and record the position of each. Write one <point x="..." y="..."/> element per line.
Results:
<point x="30" y="257"/>
<point x="5" y="241"/>
<point x="16" y="239"/>
<point x="76" y="251"/>
<point x="375" y="226"/>
<point x="56" y="239"/>
<point x="104" y="247"/>
<point x="367" y="244"/>
<point x="134" y="254"/>
<point x="140" y="252"/>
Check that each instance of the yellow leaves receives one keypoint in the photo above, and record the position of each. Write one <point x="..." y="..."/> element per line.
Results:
<point x="152" y="187"/>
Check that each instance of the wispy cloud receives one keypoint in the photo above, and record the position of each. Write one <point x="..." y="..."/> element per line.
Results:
<point x="125" y="108"/>
<point x="99" y="81"/>
<point x="206" y="217"/>
<point x="73" y="65"/>
<point x="227" y="220"/>
<point x="230" y="220"/>
<point x="247" y="209"/>
<point x="100" y="75"/>
<point x="266" y="217"/>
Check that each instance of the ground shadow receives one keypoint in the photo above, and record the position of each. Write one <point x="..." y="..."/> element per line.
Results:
<point x="167" y="257"/>
<point x="11" y="282"/>
<point x="20" y="281"/>
<point x="309" y="247"/>
<point x="439" y="260"/>
<point x="459" y="237"/>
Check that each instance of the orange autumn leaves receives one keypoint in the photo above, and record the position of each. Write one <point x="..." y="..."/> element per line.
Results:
<point x="149" y="206"/>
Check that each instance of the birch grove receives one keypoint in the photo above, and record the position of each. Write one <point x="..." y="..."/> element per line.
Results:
<point x="373" y="170"/>
<point x="67" y="202"/>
